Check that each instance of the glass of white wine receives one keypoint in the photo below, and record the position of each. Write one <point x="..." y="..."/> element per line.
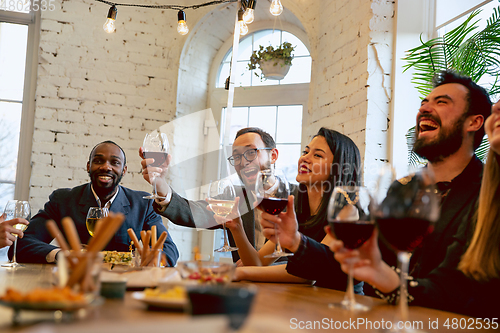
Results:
<point x="17" y="209"/>
<point x="94" y="215"/>
<point x="221" y="196"/>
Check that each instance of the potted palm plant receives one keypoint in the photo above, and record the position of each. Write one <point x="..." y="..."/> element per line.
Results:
<point x="274" y="63"/>
<point x="466" y="50"/>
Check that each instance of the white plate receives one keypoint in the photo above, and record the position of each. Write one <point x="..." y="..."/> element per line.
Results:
<point x="161" y="302"/>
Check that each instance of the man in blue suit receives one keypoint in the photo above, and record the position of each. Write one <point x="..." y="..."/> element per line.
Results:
<point x="106" y="167"/>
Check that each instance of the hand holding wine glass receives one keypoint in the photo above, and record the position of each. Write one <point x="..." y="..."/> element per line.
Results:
<point x="272" y="191"/>
<point x="221" y="199"/>
<point x="14" y="210"/>
<point x="351" y="222"/>
<point x="8" y="230"/>
<point x="93" y="216"/>
<point x="155" y="150"/>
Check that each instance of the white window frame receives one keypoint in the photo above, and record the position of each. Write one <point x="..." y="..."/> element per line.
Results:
<point x="23" y="172"/>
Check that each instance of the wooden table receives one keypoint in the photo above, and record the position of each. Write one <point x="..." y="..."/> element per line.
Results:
<point x="276" y="308"/>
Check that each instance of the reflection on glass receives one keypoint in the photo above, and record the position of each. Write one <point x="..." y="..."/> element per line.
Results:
<point x="263" y="117"/>
<point x="239" y="119"/>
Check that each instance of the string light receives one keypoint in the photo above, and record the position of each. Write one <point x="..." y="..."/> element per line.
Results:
<point x="182" y="26"/>
<point x="276" y="8"/>
<point x="249" y="16"/>
<point x="109" y="26"/>
<point x="243" y="26"/>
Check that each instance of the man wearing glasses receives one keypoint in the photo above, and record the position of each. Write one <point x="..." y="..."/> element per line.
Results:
<point x="253" y="150"/>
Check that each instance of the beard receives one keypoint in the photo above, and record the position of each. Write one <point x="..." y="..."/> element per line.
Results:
<point x="447" y="142"/>
<point x="104" y="191"/>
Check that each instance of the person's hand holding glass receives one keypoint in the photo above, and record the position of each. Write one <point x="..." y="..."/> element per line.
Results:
<point x="156" y="158"/>
<point x="272" y="191"/>
<point x="18" y="211"/>
<point x="350" y="221"/>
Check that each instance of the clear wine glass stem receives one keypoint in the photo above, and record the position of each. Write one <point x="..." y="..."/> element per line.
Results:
<point x="14" y="261"/>
<point x="349" y="299"/>
<point x="404" y="259"/>
<point x="278" y="245"/>
<point x="226" y="244"/>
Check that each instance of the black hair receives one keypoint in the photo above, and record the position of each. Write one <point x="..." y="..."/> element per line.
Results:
<point x="478" y="99"/>
<point x="266" y="137"/>
<point x="111" y="142"/>
<point x="344" y="171"/>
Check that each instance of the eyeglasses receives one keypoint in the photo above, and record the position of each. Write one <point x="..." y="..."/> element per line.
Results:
<point x="249" y="155"/>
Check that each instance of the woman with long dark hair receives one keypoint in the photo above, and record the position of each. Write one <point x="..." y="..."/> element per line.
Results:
<point x="330" y="159"/>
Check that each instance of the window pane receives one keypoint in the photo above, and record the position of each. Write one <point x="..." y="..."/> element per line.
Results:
<point x="239" y="120"/>
<point x="6" y="194"/>
<point x="13" y="39"/>
<point x="245" y="49"/>
<point x="448" y="9"/>
<point x="266" y="38"/>
<point x="263" y="117"/>
<point x="289" y="124"/>
<point x="300" y="48"/>
<point x="242" y="74"/>
<point x="10" y="120"/>
<point x="223" y="74"/>
<point x="300" y="71"/>
<point x="256" y="81"/>
<point x="288" y="160"/>
<point x="20" y="6"/>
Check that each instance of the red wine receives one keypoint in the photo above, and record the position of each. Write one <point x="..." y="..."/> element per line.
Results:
<point x="353" y="234"/>
<point x="273" y="206"/>
<point x="404" y="234"/>
<point x="159" y="157"/>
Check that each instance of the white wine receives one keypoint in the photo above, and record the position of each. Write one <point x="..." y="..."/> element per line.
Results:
<point x="221" y="207"/>
<point x="20" y="226"/>
<point x="91" y="223"/>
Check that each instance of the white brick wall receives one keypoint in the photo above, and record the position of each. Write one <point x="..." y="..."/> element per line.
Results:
<point x="94" y="86"/>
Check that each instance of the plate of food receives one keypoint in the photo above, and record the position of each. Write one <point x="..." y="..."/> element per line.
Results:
<point x="173" y="298"/>
<point x="118" y="261"/>
<point x="51" y="299"/>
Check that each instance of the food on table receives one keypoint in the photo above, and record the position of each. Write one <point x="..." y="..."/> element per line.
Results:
<point x="114" y="257"/>
<point x="37" y="295"/>
<point x="176" y="292"/>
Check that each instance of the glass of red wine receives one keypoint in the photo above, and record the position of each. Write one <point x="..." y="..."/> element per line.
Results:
<point x="155" y="146"/>
<point x="351" y="222"/>
<point x="272" y="191"/>
<point x="405" y="211"/>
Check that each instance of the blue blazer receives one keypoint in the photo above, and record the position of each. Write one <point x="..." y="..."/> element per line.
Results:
<point x="75" y="203"/>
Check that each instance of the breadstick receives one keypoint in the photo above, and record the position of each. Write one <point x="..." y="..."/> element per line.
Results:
<point x="153" y="236"/>
<point x="159" y="245"/>
<point x="145" y="246"/>
<point x="56" y="233"/>
<point x="134" y="239"/>
<point x="71" y="234"/>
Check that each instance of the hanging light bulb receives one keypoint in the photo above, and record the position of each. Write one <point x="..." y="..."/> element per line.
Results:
<point x="182" y="26"/>
<point x="276" y="7"/>
<point x="249" y="16"/>
<point x="243" y="26"/>
<point x="109" y="26"/>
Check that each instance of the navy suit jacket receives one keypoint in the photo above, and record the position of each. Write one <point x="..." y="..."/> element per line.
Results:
<point x="75" y="203"/>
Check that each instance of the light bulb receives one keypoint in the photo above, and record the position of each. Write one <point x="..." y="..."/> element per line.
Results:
<point x="182" y="27"/>
<point x="109" y="26"/>
<point x="243" y="26"/>
<point x="248" y="17"/>
<point x="276" y="7"/>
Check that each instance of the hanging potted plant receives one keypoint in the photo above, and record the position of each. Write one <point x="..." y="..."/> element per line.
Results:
<point x="274" y="63"/>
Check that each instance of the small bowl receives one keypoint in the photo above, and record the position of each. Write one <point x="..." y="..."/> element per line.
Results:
<point x="114" y="288"/>
<point x="207" y="272"/>
<point x="235" y="302"/>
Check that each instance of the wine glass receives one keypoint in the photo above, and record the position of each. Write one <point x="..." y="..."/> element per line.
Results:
<point x="272" y="191"/>
<point x="155" y="145"/>
<point x="17" y="209"/>
<point x="351" y="222"/>
<point x="93" y="216"/>
<point x="405" y="211"/>
<point x="221" y="196"/>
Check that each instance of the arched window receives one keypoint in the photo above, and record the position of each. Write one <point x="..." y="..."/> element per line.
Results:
<point x="277" y="106"/>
